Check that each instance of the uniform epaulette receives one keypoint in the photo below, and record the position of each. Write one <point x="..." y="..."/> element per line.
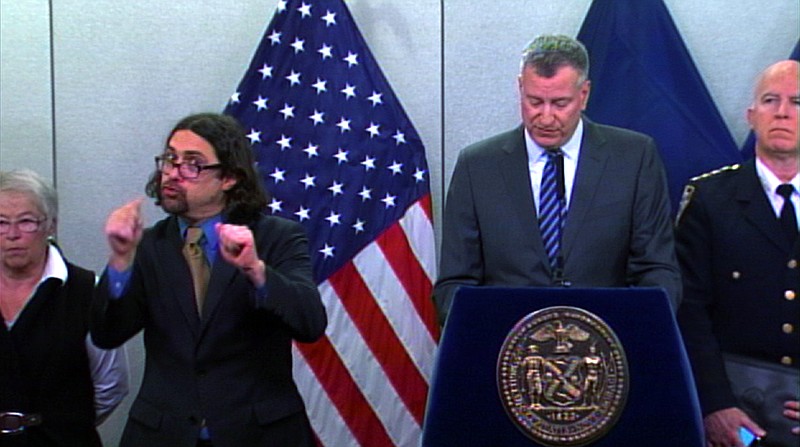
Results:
<point x="716" y="171"/>
<point x="689" y="189"/>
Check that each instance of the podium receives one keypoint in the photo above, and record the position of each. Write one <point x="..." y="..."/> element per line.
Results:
<point x="465" y="406"/>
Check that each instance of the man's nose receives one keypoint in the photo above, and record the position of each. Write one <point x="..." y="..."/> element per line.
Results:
<point x="173" y="173"/>
<point x="786" y="107"/>
<point x="547" y="115"/>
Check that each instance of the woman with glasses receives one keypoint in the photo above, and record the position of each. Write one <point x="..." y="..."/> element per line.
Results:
<point x="55" y="385"/>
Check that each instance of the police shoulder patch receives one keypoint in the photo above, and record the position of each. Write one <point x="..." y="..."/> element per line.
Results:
<point x="689" y="189"/>
<point x="686" y="197"/>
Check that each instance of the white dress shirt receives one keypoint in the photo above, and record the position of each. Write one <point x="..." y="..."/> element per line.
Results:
<point x="537" y="158"/>
<point x="770" y="184"/>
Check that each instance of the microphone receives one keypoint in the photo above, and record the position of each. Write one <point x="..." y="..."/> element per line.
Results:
<point x="558" y="158"/>
<point x="560" y="186"/>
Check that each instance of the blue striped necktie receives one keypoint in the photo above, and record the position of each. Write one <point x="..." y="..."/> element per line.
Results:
<point x="551" y="210"/>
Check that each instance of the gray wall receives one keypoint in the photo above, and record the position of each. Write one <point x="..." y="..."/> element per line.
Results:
<point x="88" y="90"/>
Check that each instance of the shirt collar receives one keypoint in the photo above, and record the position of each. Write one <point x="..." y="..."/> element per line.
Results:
<point x="208" y="226"/>
<point x="770" y="181"/>
<point x="55" y="266"/>
<point x="570" y="149"/>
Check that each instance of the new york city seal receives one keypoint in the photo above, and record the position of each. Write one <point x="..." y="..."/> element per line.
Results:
<point x="563" y="376"/>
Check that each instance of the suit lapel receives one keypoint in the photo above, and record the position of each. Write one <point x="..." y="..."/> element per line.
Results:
<point x="756" y="208"/>
<point x="222" y="274"/>
<point x="176" y="275"/>
<point x="513" y="169"/>
<point x="591" y="165"/>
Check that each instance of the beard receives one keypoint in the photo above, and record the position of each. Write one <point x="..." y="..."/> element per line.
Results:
<point x="176" y="206"/>
<point x="174" y="201"/>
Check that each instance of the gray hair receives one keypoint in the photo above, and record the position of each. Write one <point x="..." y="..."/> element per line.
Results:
<point x="28" y="182"/>
<point x="549" y="52"/>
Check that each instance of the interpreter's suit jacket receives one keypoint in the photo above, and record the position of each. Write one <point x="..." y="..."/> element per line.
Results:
<point x="618" y="229"/>
<point x="741" y="280"/>
<point x="232" y="367"/>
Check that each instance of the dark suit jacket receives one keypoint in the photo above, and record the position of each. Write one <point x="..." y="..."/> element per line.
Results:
<point x="233" y="367"/>
<point x="739" y="280"/>
<point x="617" y="233"/>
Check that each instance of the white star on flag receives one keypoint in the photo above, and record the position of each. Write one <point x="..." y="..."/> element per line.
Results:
<point x="352" y="171"/>
<point x="266" y="72"/>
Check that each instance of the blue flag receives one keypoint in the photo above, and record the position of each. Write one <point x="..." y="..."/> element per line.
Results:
<point x="749" y="146"/>
<point x="643" y="79"/>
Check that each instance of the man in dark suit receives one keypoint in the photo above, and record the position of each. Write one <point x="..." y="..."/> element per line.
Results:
<point x="615" y="227"/>
<point x="218" y="363"/>
<point x="740" y="266"/>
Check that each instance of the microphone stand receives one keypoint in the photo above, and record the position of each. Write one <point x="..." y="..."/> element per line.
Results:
<point x="558" y="273"/>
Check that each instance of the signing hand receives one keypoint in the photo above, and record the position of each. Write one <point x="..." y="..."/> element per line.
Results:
<point x="237" y="247"/>
<point x="123" y="230"/>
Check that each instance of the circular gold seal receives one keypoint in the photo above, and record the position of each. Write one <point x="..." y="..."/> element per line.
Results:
<point x="563" y="376"/>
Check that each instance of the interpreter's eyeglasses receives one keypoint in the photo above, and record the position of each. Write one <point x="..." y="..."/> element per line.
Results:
<point x="25" y="225"/>
<point x="187" y="169"/>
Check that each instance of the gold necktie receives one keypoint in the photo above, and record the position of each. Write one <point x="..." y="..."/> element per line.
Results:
<point x="198" y="265"/>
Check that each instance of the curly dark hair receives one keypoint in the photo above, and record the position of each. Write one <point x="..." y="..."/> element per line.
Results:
<point x="245" y="200"/>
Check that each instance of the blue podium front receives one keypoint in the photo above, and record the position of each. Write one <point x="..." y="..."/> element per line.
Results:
<point x="466" y="403"/>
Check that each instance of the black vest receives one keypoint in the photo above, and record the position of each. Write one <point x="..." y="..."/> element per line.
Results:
<point x="44" y="367"/>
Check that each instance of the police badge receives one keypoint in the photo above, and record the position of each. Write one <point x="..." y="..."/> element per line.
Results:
<point x="562" y="375"/>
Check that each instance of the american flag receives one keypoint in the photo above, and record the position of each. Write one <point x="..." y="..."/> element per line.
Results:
<point x="338" y="154"/>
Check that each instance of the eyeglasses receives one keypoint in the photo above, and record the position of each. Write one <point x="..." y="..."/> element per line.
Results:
<point x="187" y="169"/>
<point x="25" y="225"/>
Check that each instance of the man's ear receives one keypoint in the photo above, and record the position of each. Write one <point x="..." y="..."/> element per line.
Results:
<point x="586" y="89"/>
<point x="229" y="182"/>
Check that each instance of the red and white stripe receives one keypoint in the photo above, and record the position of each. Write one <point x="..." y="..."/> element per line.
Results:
<point x="365" y="383"/>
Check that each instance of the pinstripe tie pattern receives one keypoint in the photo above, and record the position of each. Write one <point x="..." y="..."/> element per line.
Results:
<point x="551" y="210"/>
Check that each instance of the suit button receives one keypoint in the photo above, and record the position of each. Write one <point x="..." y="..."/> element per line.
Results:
<point x="787" y="328"/>
<point x="786" y="360"/>
<point x="792" y="264"/>
<point x="736" y="274"/>
<point x="789" y="295"/>
<point x="201" y="373"/>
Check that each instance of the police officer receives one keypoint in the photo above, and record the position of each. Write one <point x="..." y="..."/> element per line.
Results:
<point x="736" y="240"/>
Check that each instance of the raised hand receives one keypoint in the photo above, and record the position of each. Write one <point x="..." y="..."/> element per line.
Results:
<point x="123" y="230"/>
<point x="237" y="247"/>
